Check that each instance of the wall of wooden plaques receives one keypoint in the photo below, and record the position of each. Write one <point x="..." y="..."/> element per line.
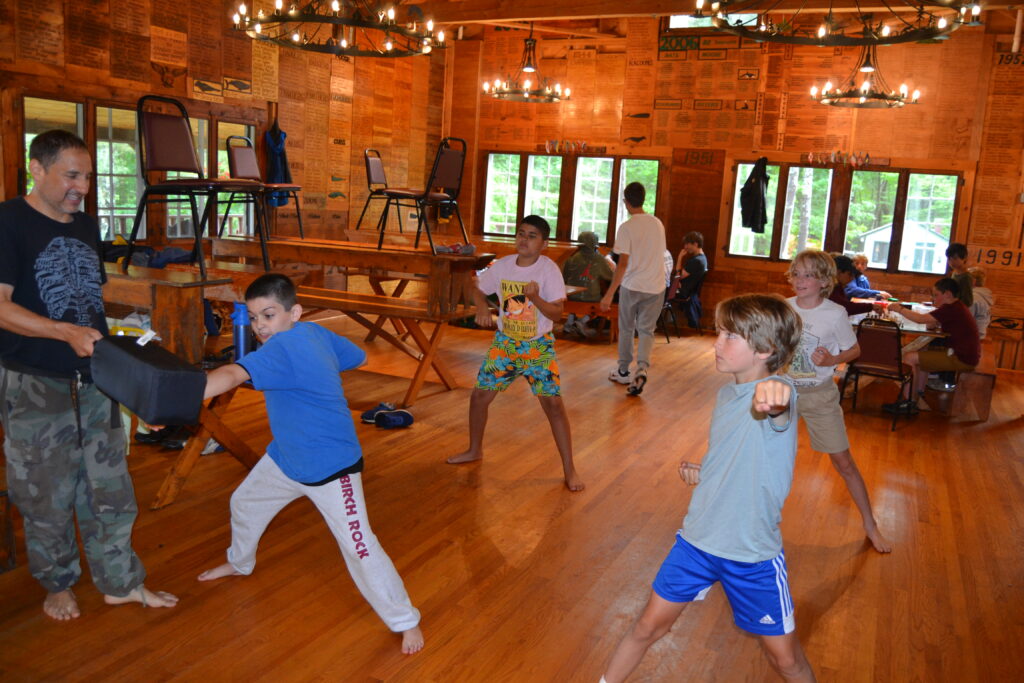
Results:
<point x="331" y="109"/>
<point x="646" y="95"/>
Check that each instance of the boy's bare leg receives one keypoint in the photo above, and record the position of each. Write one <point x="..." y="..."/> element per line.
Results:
<point x="219" y="571"/>
<point x="412" y="640"/>
<point x="655" y="621"/>
<point x="61" y="606"/>
<point x="847" y="468"/>
<point x="144" y="596"/>
<point x="554" y="408"/>
<point x="788" y="658"/>
<point x="479" y="402"/>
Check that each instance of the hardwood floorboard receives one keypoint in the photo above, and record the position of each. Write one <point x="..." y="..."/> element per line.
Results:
<point x="519" y="580"/>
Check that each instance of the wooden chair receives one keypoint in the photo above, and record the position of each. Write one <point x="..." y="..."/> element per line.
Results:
<point x="243" y="165"/>
<point x="165" y="145"/>
<point x="446" y="176"/>
<point x="881" y="355"/>
<point x="377" y="185"/>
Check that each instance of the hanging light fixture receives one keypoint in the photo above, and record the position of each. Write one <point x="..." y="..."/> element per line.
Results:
<point x="865" y="87"/>
<point x="353" y="28"/>
<point x="911" y="21"/>
<point x="530" y="88"/>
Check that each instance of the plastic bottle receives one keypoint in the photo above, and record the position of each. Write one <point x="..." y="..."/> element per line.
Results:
<point x="241" y="330"/>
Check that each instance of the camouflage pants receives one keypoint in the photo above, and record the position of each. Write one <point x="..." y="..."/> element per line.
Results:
<point x="52" y="480"/>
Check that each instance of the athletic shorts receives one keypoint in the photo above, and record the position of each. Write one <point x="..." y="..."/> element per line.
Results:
<point x="819" y="406"/>
<point x="509" y="358"/>
<point x="757" y="591"/>
<point x="940" y="360"/>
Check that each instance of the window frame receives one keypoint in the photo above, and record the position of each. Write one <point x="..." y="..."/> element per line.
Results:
<point x="838" y="208"/>
<point x="566" y="195"/>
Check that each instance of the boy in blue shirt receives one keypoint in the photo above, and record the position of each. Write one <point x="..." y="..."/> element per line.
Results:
<point x="315" y="452"/>
<point x="731" y="531"/>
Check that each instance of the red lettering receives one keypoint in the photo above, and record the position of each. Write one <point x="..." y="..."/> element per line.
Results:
<point x="353" y="525"/>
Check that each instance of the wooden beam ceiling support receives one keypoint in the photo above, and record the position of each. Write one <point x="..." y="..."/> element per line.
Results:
<point x="582" y="33"/>
<point x="473" y="11"/>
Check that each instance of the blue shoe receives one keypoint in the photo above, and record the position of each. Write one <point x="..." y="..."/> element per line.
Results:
<point x="393" y="419"/>
<point x="370" y="414"/>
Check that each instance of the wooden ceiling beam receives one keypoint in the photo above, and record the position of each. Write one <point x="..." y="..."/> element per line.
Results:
<point x="583" y="33"/>
<point x="477" y="11"/>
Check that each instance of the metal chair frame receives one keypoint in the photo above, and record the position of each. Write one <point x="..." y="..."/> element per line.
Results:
<point x="885" y="361"/>
<point x="244" y="155"/>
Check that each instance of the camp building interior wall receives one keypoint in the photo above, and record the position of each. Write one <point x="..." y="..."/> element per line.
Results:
<point x="699" y="106"/>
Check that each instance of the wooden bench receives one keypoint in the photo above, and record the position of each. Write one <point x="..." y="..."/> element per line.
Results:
<point x="971" y="400"/>
<point x="582" y="308"/>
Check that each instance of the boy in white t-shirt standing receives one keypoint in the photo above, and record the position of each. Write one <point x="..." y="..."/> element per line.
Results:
<point x="530" y="293"/>
<point x="828" y="340"/>
<point x="640" y="244"/>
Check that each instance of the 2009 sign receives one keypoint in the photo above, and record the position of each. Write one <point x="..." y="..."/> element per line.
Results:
<point x="1004" y="257"/>
<point x="1010" y="58"/>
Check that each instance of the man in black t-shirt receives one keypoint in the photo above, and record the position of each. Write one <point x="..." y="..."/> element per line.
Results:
<point x="63" y="441"/>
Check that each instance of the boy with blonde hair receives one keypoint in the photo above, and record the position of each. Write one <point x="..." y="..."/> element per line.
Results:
<point x="731" y="531"/>
<point x="828" y="340"/>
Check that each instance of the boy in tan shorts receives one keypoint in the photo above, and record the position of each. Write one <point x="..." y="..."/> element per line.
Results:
<point x="828" y="340"/>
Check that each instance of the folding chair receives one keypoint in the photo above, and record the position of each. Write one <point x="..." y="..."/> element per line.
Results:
<point x="881" y="355"/>
<point x="243" y="165"/>
<point x="165" y="145"/>
<point x="377" y="185"/>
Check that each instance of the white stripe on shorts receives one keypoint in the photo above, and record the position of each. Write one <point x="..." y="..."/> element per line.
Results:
<point x="785" y="599"/>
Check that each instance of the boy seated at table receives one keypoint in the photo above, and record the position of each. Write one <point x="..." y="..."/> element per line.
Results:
<point x="859" y="286"/>
<point x="962" y="354"/>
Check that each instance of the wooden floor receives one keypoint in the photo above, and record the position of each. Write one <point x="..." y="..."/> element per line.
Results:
<point x="519" y="580"/>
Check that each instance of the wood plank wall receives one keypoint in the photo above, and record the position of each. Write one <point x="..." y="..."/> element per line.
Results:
<point x="332" y="109"/>
<point x="734" y="101"/>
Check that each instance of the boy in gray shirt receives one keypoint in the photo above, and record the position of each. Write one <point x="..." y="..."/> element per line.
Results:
<point x="731" y="531"/>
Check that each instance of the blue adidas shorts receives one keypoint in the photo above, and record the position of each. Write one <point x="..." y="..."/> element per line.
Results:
<point x="758" y="591"/>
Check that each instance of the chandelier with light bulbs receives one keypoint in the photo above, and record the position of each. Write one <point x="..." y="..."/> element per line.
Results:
<point x="354" y="28"/>
<point x="531" y="87"/>
<point x="865" y="87"/>
<point x="906" y="21"/>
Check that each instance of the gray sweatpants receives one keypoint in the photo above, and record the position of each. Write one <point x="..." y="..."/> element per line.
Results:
<point x="638" y="312"/>
<point x="52" y="479"/>
<point x="267" y="489"/>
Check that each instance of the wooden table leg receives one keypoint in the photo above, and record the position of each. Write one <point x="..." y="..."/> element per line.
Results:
<point x="381" y="319"/>
<point x="210" y="425"/>
<point x="428" y="360"/>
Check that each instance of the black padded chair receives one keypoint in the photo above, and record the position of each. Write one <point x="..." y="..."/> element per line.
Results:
<point x="165" y="145"/>
<point x="377" y="185"/>
<point x="243" y="165"/>
<point x="881" y="355"/>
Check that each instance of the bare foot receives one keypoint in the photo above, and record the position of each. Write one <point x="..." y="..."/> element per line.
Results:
<point x="468" y="456"/>
<point x="144" y="596"/>
<point x="412" y="640"/>
<point x="880" y="542"/>
<point x="219" y="572"/>
<point x="61" y="606"/>
<point x="573" y="482"/>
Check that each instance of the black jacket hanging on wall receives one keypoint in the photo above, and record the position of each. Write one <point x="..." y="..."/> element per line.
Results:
<point x="277" y="163"/>
<point x="752" y="197"/>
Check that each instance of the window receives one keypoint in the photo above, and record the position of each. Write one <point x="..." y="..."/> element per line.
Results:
<point x="502" y="202"/>
<point x="179" y="213"/>
<point x="519" y="184"/>
<point x="238" y="222"/>
<point x="869" y="219"/>
<point x="929" y="222"/>
<point x="901" y="218"/>
<point x="543" y="182"/>
<point x="117" y="178"/>
<point x="745" y="241"/>
<point x="592" y="196"/>
<point x="42" y="115"/>
<point x="643" y="171"/>
<point x="806" y="209"/>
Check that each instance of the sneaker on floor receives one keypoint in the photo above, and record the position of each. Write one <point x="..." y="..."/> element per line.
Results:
<point x="617" y="376"/>
<point x="636" y="387"/>
<point x="369" y="415"/>
<point x="570" y="324"/>
<point x="393" y="419"/>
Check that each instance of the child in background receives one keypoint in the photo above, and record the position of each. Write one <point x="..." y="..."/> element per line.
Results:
<point x="315" y="452"/>
<point x="531" y="294"/>
<point x="860" y="287"/>
<point x="828" y="340"/>
<point x="731" y="531"/>
<point x="983" y="300"/>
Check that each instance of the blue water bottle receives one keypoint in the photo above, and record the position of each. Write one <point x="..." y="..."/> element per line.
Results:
<point x="241" y="329"/>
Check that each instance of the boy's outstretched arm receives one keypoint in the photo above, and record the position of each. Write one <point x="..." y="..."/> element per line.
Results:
<point x="772" y="397"/>
<point x="224" y="378"/>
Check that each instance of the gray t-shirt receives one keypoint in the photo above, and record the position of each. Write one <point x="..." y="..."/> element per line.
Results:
<point x="744" y="479"/>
